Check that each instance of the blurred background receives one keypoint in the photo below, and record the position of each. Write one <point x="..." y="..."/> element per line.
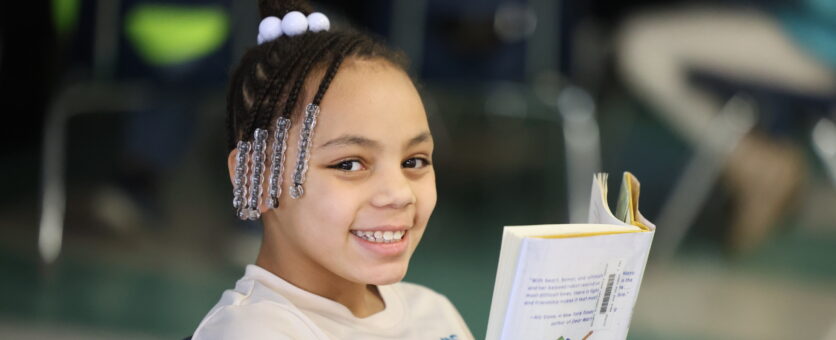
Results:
<point x="115" y="211"/>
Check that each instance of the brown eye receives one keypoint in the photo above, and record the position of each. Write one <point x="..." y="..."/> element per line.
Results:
<point x="348" y="165"/>
<point x="415" y="163"/>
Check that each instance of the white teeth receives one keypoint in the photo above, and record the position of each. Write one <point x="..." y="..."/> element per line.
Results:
<point x="380" y="236"/>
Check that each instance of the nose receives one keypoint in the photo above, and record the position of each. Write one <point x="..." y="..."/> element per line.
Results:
<point x="394" y="190"/>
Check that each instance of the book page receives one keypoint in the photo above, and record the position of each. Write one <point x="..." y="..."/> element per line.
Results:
<point x="577" y="288"/>
<point x="571" y="281"/>
<point x="568" y="230"/>
<point x="638" y="218"/>
<point x="624" y="208"/>
<point x="512" y="239"/>
<point x="599" y="210"/>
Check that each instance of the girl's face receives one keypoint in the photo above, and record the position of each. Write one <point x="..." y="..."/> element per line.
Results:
<point x="370" y="174"/>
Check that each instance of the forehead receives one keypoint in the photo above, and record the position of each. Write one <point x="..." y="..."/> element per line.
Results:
<point x="373" y="99"/>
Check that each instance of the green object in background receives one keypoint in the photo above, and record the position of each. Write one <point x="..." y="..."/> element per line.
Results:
<point x="65" y="15"/>
<point x="170" y="34"/>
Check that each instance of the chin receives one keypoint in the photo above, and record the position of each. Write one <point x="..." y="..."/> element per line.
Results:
<point x="386" y="275"/>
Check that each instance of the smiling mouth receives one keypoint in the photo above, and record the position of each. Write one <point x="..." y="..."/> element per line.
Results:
<point x="380" y="236"/>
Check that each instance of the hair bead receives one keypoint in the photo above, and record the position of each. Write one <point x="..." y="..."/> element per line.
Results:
<point x="277" y="164"/>
<point x="318" y="22"/>
<point x="294" y="23"/>
<point x="270" y="28"/>
<point x="259" y="144"/>
<point x="305" y="142"/>
<point x="240" y="181"/>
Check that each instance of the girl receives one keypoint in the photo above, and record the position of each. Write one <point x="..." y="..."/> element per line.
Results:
<point x="331" y="149"/>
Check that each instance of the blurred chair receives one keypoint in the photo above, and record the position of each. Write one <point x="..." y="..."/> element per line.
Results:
<point x="773" y="62"/>
<point x="771" y="108"/>
<point x="695" y="183"/>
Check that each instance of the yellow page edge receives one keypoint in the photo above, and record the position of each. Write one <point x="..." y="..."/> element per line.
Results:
<point x="634" y="200"/>
<point x="599" y="233"/>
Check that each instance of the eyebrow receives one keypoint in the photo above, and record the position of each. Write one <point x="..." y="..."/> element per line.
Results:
<point x="420" y="138"/>
<point x="361" y="141"/>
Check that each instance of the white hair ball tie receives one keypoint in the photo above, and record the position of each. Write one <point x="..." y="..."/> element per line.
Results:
<point x="269" y="29"/>
<point x="294" y="23"/>
<point x="318" y="22"/>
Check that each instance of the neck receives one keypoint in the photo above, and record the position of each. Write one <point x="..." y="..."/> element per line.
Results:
<point x="287" y="262"/>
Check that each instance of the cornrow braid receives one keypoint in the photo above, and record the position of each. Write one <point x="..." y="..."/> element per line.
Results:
<point x="284" y="80"/>
<point x="237" y="99"/>
<point x="265" y="119"/>
<point x="272" y="87"/>
<point x="277" y="84"/>
<point x="270" y="77"/>
<point x="253" y="109"/>
<point x="293" y="97"/>
<point x="332" y="71"/>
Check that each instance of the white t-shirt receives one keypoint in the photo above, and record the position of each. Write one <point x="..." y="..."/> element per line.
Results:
<point x="264" y="306"/>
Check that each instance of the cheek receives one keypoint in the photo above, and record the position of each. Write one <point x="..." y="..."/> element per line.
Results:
<point x="333" y="203"/>
<point x="426" y="196"/>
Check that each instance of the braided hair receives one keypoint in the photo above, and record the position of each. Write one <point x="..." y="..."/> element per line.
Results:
<point x="270" y="77"/>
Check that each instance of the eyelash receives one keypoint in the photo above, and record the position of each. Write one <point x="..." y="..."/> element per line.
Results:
<point x="349" y="162"/>
<point x="423" y="160"/>
<point x="347" y="165"/>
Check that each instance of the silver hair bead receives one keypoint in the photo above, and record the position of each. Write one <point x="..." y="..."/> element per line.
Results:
<point x="259" y="144"/>
<point x="248" y="214"/>
<point x="240" y="188"/>
<point x="252" y="214"/>
<point x="311" y="113"/>
<point x="277" y="164"/>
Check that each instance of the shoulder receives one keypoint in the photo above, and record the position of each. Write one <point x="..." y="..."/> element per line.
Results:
<point x="414" y="289"/>
<point x="255" y="312"/>
<point x="414" y="293"/>
<point x="428" y="307"/>
<point x="262" y="320"/>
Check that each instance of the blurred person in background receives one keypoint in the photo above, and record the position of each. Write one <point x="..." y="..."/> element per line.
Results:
<point x="790" y="46"/>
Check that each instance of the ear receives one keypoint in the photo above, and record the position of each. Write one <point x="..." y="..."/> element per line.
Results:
<point x="230" y="163"/>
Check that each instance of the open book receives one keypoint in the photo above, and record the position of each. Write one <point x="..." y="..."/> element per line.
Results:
<point x="573" y="281"/>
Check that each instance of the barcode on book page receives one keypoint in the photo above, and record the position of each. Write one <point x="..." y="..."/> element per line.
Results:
<point x="607" y="293"/>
